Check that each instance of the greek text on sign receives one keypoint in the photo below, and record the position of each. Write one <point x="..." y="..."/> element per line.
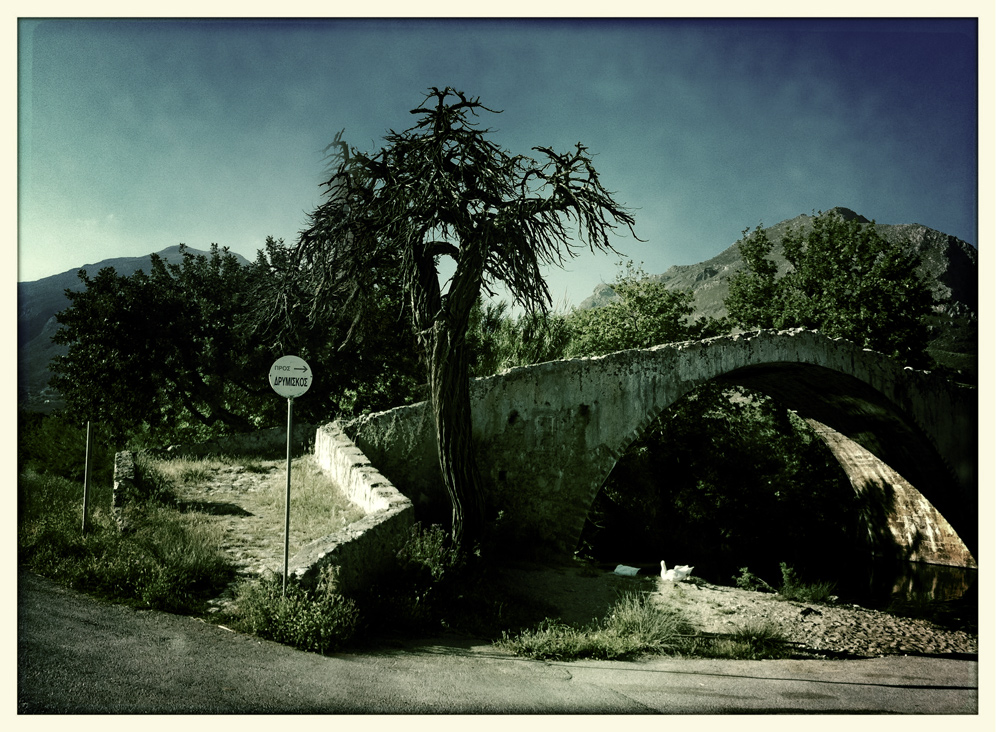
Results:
<point x="290" y="376"/>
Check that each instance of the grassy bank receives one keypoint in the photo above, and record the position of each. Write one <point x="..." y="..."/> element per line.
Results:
<point x="166" y="560"/>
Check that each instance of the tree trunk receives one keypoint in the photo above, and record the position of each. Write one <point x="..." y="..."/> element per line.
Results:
<point x="440" y="330"/>
<point x="449" y="382"/>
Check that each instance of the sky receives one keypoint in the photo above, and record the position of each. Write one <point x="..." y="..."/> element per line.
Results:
<point x="137" y="135"/>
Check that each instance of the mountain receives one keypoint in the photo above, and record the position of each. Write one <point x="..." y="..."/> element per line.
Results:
<point x="950" y="263"/>
<point x="38" y="302"/>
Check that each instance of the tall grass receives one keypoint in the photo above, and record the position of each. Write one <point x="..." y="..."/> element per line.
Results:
<point x="637" y="626"/>
<point x="793" y="588"/>
<point x="634" y="626"/>
<point x="165" y="561"/>
<point x="185" y="470"/>
<point x="755" y="641"/>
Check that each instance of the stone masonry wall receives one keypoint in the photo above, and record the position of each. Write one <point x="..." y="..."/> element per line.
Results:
<point x="901" y="523"/>
<point x="546" y="436"/>
<point x="367" y="547"/>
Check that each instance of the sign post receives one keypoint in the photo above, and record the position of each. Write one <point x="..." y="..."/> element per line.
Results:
<point x="290" y="377"/>
<point x="86" y="479"/>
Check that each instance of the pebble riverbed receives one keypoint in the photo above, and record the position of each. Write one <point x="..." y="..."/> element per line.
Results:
<point x="818" y="629"/>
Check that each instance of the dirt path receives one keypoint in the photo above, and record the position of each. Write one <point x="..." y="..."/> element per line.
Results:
<point x="247" y="502"/>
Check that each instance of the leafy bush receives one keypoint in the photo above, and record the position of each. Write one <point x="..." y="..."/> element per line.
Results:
<point x="747" y="580"/>
<point x="415" y="595"/>
<point x="56" y="445"/>
<point x="497" y="341"/>
<point x="429" y="552"/>
<point x="433" y="586"/>
<point x="644" y="313"/>
<point x="792" y="587"/>
<point x="320" y="620"/>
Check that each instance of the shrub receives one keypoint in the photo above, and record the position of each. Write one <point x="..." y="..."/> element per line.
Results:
<point x="432" y="586"/>
<point x="319" y="620"/>
<point x="792" y="588"/>
<point x="429" y="552"/>
<point x="747" y="580"/>
<point x="53" y="444"/>
<point x="633" y="627"/>
<point x="420" y="590"/>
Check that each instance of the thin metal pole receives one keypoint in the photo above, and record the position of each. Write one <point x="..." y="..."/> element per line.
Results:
<point x="288" y="492"/>
<point x="86" y="479"/>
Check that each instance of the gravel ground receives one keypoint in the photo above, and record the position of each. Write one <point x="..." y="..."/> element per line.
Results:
<point x="819" y="629"/>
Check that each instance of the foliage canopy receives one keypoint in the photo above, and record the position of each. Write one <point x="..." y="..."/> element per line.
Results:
<point x="846" y="281"/>
<point x="644" y="313"/>
<point x="149" y="351"/>
<point x="181" y="354"/>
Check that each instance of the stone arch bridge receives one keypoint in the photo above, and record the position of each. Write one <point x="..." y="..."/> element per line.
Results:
<point x="548" y="435"/>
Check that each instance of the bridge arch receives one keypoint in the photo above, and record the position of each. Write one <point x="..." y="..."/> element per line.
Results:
<point x="548" y="435"/>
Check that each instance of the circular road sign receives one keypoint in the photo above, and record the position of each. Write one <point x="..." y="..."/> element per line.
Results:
<point x="290" y="376"/>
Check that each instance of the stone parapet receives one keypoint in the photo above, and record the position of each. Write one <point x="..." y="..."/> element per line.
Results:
<point x="367" y="547"/>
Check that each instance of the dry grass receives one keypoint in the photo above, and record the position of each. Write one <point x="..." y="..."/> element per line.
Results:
<point x="318" y="505"/>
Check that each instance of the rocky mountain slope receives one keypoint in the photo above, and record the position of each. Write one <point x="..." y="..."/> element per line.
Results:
<point x="38" y="302"/>
<point x="950" y="263"/>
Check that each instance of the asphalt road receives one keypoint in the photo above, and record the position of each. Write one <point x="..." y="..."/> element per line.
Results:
<point x="79" y="655"/>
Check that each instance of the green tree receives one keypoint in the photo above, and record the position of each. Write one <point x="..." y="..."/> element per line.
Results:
<point x="149" y="352"/>
<point x="442" y="190"/>
<point x="845" y="280"/>
<point x="182" y="353"/>
<point x="363" y="363"/>
<point x="644" y="313"/>
<point x="499" y="341"/>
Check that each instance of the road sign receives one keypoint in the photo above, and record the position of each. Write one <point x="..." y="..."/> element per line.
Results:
<point x="290" y="376"/>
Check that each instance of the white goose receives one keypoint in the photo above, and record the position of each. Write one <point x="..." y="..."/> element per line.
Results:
<point x="677" y="574"/>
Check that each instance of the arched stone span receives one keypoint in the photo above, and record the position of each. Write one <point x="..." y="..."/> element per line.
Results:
<point x="548" y="435"/>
